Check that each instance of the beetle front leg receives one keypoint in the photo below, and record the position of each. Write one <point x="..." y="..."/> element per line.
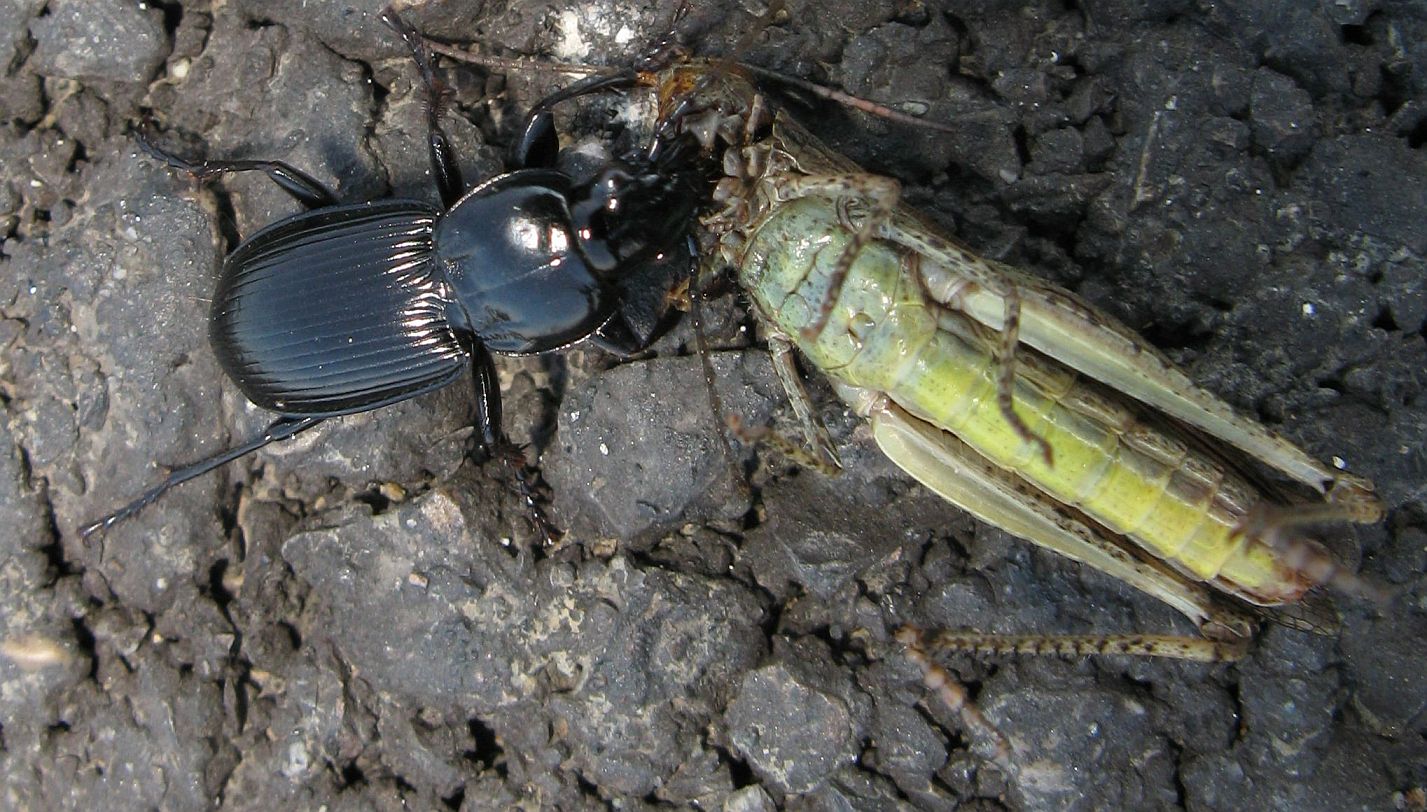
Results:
<point x="306" y="189"/>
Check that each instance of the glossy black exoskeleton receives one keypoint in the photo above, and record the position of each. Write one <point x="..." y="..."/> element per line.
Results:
<point x="350" y="307"/>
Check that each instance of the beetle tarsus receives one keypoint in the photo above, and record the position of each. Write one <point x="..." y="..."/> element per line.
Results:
<point x="513" y="456"/>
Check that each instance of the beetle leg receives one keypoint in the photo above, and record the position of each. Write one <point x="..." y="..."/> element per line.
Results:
<point x="615" y="338"/>
<point x="444" y="166"/>
<point x="281" y="429"/>
<point x="489" y="435"/>
<point x="306" y="189"/>
<point x="491" y="439"/>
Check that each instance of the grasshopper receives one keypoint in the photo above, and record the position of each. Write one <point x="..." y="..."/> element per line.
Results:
<point x="1013" y="399"/>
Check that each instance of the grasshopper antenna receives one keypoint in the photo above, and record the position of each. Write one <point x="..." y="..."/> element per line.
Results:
<point x="850" y="101"/>
<point x="519" y="64"/>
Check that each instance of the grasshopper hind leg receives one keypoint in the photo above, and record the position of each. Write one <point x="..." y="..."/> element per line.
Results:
<point x="954" y="696"/>
<point x="955" y="472"/>
<point x="1275" y="525"/>
<point x="1171" y="646"/>
<point x="988" y="741"/>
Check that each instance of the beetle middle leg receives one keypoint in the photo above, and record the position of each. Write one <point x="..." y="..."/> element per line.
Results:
<point x="444" y="166"/>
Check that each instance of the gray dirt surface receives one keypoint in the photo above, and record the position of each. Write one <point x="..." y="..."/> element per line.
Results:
<point x="360" y="619"/>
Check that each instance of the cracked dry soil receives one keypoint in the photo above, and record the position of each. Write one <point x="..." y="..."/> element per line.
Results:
<point x="358" y="620"/>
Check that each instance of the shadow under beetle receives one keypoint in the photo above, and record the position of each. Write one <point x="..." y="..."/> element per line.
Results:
<point x="526" y="262"/>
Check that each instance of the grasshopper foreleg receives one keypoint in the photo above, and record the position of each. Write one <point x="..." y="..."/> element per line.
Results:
<point x="817" y="451"/>
<point x="814" y="432"/>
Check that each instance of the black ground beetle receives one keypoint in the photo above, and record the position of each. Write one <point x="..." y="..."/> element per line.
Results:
<point x="526" y="262"/>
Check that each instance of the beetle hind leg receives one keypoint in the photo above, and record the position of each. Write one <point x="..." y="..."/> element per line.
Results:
<point x="281" y="429"/>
